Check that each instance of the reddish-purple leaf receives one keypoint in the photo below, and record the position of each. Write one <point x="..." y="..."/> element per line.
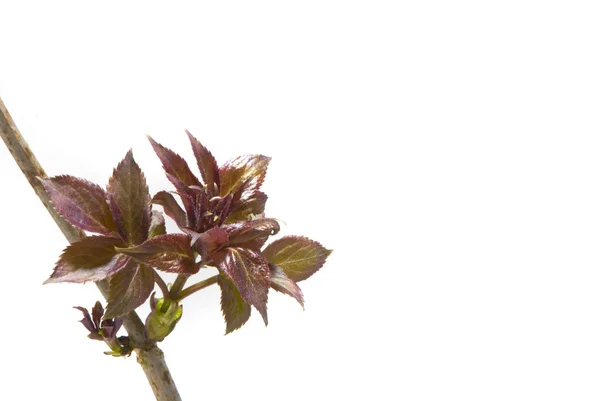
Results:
<point x="97" y="313"/>
<point x="200" y="208"/>
<point x="206" y="164"/>
<point x="249" y="271"/>
<point x="81" y="203"/>
<point x="208" y="241"/>
<point x="247" y="209"/>
<point x="235" y="310"/>
<point x="251" y="234"/>
<point x="249" y="171"/>
<point x="282" y="283"/>
<point x="171" y="207"/>
<point x="187" y="196"/>
<point x="299" y="257"/>
<point x="221" y="210"/>
<point x="170" y="252"/>
<point x="130" y="201"/>
<point x="128" y="289"/>
<point x="91" y="259"/>
<point x="174" y="164"/>
<point x="157" y="224"/>
<point x="89" y="324"/>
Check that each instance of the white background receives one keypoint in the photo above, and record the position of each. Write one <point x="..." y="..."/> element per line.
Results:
<point x="447" y="151"/>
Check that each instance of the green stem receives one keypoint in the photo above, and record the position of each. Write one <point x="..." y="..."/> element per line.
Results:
<point x="197" y="287"/>
<point x="161" y="284"/>
<point x="177" y="286"/>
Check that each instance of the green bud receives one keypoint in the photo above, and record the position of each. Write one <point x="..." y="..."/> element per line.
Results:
<point x="163" y="318"/>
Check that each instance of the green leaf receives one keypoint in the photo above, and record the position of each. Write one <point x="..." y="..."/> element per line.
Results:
<point x="157" y="224"/>
<point x="81" y="203"/>
<point x="247" y="209"/>
<point x="128" y="289"/>
<point x="91" y="259"/>
<point x="249" y="271"/>
<point x="282" y="283"/>
<point x="248" y="171"/>
<point x="206" y="164"/>
<point x="251" y="234"/>
<point x="174" y="164"/>
<point x="171" y="208"/>
<point x="235" y="310"/>
<point x="130" y="201"/>
<point x="169" y="252"/>
<point x="299" y="257"/>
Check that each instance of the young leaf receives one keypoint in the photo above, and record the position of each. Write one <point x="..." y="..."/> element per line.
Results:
<point x="171" y="208"/>
<point x="249" y="170"/>
<point x="169" y="252"/>
<point x="91" y="259"/>
<point x="282" y="283"/>
<point x="208" y="241"/>
<point x="235" y="310"/>
<point x="251" y="234"/>
<point x="206" y="164"/>
<point x="299" y="257"/>
<point x="130" y="201"/>
<point x="249" y="271"/>
<point x="81" y="203"/>
<point x="157" y="224"/>
<point x="246" y="209"/>
<point x="174" y="164"/>
<point x="128" y="289"/>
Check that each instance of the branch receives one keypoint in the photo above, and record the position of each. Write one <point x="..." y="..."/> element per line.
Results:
<point x="149" y="356"/>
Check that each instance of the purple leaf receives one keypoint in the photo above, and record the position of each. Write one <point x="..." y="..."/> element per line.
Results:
<point x="208" y="241"/>
<point x="206" y="164"/>
<point x="244" y="210"/>
<point x="249" y="171"/>
<point x="235" y="310"/>
<point x="91" y="259"/>
<point x="89" y="324"/>
<point x="171" y="207"/>
<point x="157" y="225"/>
<point x="251" y="234"/>
<point x="187" y="196"/>
<point x="282" y="283"/>
<point x="221" y="210"/>
<point x="174" y="164"/>
<point x="249" y="271"/>
<point x="299" y="257"/>
<point x="128" y="289"/>
<point x="97" y="313"/>
<point x="130" y="201"/>
<point x="81" y="203"/>
<point x="170" y="252"/>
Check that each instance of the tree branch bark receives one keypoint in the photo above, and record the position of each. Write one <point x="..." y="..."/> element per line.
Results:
<point x="149" y="356"/>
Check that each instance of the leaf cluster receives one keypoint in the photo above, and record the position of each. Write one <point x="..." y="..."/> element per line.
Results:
<point x="222" y="223"/>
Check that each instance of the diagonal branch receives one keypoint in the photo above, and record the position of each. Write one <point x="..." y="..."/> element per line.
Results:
<point x="149" y="356"/>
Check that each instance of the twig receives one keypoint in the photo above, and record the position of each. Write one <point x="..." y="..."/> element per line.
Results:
<point x="149" y="356"/>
